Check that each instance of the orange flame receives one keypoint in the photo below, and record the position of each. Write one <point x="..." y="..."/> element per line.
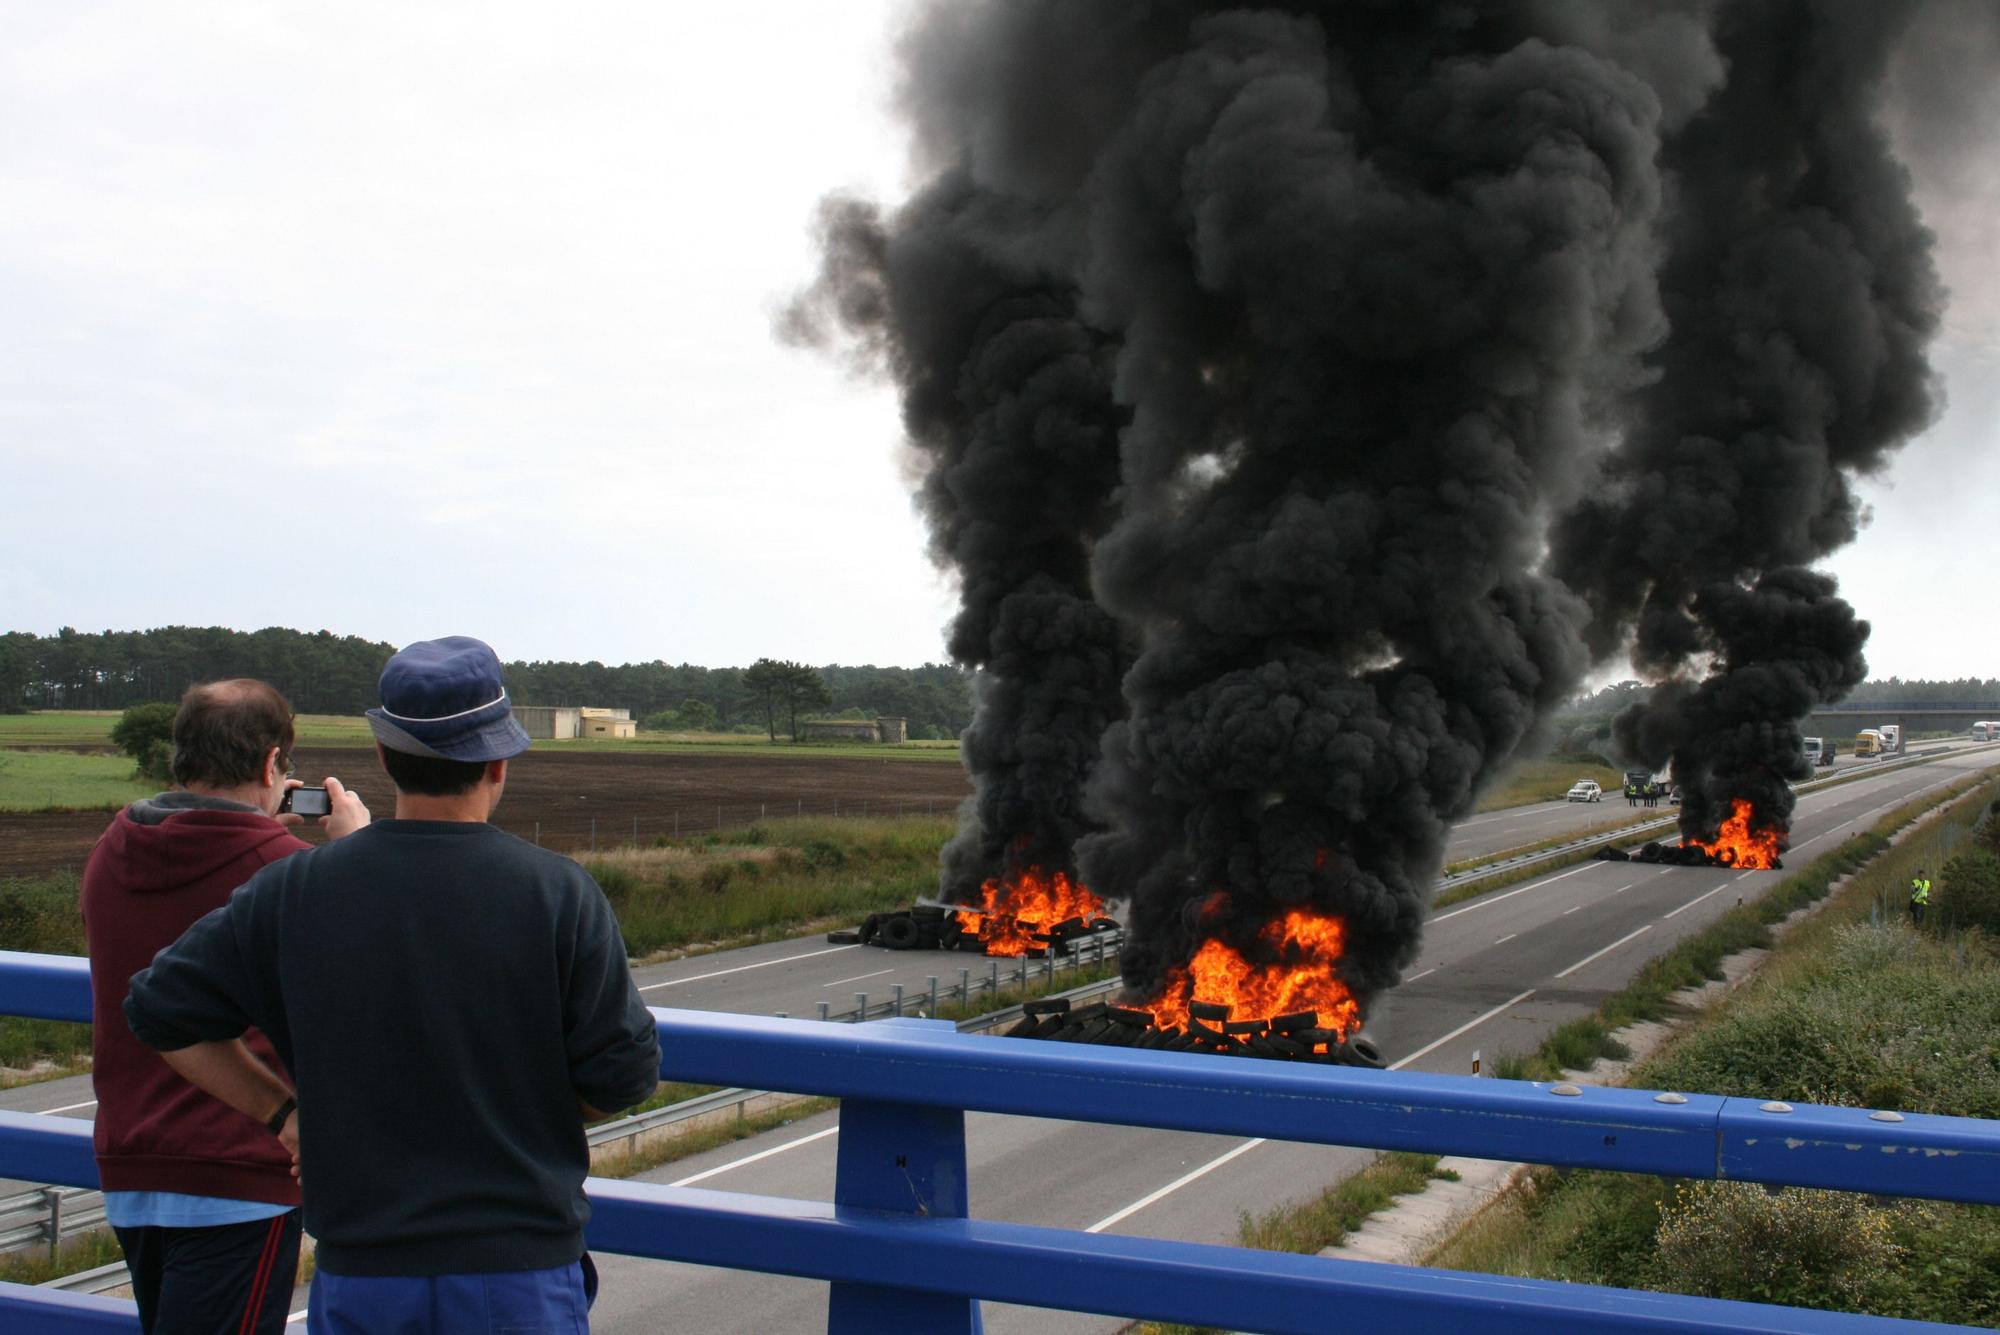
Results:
<point x="1307" y="945"/>
<point x="1740" y="844"/>
<point x="1017" y="907"/>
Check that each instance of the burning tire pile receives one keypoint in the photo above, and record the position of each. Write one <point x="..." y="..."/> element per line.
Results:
<point x="1295" y="1037"/>
<point x="940" y="927"/>
<point x="1744" y="843"/>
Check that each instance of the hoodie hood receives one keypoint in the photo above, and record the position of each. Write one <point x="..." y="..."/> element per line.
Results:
<point x="179" y="838"/>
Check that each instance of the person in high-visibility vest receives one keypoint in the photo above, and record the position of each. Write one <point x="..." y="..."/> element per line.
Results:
<point x="1920" y="897"/>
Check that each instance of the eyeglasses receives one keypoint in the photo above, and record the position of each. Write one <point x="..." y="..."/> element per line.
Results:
<point x="285" y="766"/>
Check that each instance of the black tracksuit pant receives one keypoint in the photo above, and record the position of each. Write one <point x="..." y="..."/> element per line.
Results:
<point x="225" y="1280"/>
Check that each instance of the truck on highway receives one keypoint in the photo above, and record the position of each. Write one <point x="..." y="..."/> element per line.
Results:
<point x="1868" y="742"/>
<point x="1818" y="751"/>
<point x="1892" y="738"/>
<point x="1986" y="731"/>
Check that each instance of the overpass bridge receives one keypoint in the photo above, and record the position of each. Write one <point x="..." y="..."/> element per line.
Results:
<point x="1900" y="708"/>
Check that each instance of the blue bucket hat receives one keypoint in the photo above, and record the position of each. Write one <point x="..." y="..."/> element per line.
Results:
<point x="443" y="699"/>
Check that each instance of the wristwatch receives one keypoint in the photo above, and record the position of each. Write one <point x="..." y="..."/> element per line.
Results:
<point x="276" y="1122"/>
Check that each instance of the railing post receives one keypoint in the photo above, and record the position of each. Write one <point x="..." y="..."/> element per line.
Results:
<point x="901" y="1159"/>
<point x="54" y="1196"/>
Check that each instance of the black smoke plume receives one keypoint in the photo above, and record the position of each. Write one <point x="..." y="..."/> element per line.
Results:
<point x="1007" y="399"/>
<point x="1801" y="292"/>
<point x="1252" y="349"/>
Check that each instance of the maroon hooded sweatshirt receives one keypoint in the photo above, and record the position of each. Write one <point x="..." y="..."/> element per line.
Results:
<point x="164" y="863"/>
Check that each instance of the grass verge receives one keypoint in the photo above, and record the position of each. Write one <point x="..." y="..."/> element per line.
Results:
<point x="766" y="881"/>
<point x="39" y="914"/>
<point x="1327" y="1219"/>
<point x="1853" y="1008"/>
<point x="85" y="1251"/>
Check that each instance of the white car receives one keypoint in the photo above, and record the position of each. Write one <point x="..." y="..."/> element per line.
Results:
<point x="1586" y="790"/>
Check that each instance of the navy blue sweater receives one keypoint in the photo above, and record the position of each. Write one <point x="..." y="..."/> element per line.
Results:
<point x="442" y="994"/>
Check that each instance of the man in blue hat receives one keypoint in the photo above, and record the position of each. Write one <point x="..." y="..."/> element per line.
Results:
<point x="452" y="1003"/>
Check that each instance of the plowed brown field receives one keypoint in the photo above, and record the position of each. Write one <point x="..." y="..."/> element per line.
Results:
<point x="568" y="798"/>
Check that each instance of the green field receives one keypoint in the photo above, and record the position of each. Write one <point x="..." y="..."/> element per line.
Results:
<point x="67" y="781"/>
<point x="92" y="727"/>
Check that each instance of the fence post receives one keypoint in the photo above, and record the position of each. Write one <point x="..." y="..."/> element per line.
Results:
<point x="802" y="806"/>
<point x="898" y="989"/>
<point x="908" y="1160"/>
<point x="932" y="980"/>
<point x="965" y="985"/>
<point x="54" y="1196"/>
<point x="860" y="1007"/>
<point x="993" y="982"/>
<point x="823" y="1009"/>
<point x="593" y="834"/>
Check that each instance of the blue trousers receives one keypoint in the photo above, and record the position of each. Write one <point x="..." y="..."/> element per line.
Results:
<point x="504" y="1302"/>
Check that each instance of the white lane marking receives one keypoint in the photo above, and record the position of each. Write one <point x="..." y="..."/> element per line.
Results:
<point x="1249" y="1145"/>
<point x="1567" y="912"/>
<point x="753" y="1158"/>
<point x="296" y="1317"/>
<point x="1606" y="951"/>
<point x="743" y="968"/>
<point x="1510" y="814"/>
<point x="1485" y="901"/>
<point x="1425" y="974"/>
<point x="1505" y="939"/>
<point x="1469" y="1024"/>
<point x="1173" y="1186"/>
<point x="859" y="976"/>
<point x="51" y="1112"/>
<point x="1692" y="902"/>
<point x="1621" y="889"/>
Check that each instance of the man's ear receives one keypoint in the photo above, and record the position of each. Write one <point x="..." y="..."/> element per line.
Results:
<point x="496" y="773"/>
<point x="380" y="759"/>
<point x="271" y="775"/>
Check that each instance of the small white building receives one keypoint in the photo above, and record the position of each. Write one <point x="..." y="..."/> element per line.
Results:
<point x="557" y="722"/>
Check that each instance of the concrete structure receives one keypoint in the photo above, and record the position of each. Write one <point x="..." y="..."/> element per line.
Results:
<point x="557" y="722"/>
<point x="889" y="729"/>
<point x="608" y="723"/>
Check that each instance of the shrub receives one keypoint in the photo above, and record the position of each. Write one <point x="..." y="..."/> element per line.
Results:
<point x="146" y="733"/>
<point x="1799" y="1247"/>
<point x="1967" y="893"/>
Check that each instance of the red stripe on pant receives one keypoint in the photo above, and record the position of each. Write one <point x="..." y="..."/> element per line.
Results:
<point x="262" y="1283"/>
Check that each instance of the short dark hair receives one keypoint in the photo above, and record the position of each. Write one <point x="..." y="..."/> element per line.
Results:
<point x="431" y="776"/>
<point x="224" y="729"/>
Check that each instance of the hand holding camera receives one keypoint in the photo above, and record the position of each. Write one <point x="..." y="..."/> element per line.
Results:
<point x="340" y="811"/>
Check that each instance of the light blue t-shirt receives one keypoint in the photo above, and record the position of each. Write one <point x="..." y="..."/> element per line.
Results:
<point x="178" y="1209"/>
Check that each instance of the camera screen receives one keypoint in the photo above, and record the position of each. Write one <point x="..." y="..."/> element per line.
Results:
<point x="310" y="802"/>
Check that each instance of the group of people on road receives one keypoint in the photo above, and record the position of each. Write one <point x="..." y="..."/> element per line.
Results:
<point x="392" y="1041"/>
<point x="1648" y="793"/>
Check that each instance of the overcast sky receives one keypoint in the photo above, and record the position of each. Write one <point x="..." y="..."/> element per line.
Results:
<point x="408" y="320"/>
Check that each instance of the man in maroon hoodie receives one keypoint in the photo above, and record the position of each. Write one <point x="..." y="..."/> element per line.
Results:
<point x="203" y="1199"/>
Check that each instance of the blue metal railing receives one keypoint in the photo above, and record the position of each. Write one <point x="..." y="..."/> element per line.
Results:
<point x="901" y="1256"/>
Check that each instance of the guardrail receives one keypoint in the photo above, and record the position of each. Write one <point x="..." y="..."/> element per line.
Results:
<point x="901" y="1255"/>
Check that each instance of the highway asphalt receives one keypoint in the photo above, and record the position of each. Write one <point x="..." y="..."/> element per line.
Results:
<point x="1495" y="974"/>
